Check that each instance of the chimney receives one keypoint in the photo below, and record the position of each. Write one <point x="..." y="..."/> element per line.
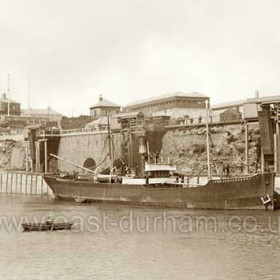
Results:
<point x="100" y="98"/>
<point x="257" y="94"/>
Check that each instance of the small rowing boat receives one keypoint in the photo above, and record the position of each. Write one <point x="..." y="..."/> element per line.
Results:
<point x="47" y="226"/>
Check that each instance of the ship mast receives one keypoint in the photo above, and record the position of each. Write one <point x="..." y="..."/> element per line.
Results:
<point x="109" y="140"/>
<point x="29" y="90"/>
<point x="207" y="141"/>
<point x="8" y="93"/>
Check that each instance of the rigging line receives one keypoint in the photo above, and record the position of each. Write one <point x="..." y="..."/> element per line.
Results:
<point x="239" y="158"/>
<point x="210" y="137"/>
<point x="195" y="163"/>
<point x="113" y="146"/>
<point x="204" y="168"/>
<point x="105" y="143"/>
<point x="101" y="162"/>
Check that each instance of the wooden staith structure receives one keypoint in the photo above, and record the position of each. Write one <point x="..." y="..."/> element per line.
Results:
<point x="269" y="122"/>
<point x="23" y="183"/>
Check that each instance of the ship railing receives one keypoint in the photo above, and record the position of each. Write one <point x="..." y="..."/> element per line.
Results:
<point x="229" y="180"/>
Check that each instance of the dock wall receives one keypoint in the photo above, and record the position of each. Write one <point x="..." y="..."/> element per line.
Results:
<point x="81" y="147"/>
<point x="184" y="147"/>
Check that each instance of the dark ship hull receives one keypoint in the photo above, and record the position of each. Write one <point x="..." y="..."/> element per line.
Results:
<point x="254" y="192"/>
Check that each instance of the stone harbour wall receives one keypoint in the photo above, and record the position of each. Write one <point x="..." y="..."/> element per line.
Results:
<point x="79" y="148"/>
<point x="186" y="148"/>
<point x="12" y="154"/>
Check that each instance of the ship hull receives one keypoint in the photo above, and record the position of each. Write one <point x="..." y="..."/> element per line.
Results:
<point x="255" y="192"/>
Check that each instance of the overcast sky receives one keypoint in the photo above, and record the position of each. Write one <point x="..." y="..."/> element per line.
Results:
<point x="74" y="50"/>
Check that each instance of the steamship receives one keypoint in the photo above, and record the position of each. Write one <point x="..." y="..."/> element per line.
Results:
<point x="159" y="188"/>
<point x="251" y="192"/>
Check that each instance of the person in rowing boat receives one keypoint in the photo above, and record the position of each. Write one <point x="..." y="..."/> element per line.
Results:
<point x="49" y="221"/>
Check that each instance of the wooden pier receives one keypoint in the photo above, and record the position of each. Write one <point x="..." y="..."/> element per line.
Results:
<point x="25" y="183"/>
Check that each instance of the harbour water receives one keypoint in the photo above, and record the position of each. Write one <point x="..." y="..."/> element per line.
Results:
<point x="110" y="241"/>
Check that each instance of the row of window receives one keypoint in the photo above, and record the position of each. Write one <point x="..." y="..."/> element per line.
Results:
<point x="4" y="106"/>
<point x="99" y="112"/>
<point x="168" y="102"/>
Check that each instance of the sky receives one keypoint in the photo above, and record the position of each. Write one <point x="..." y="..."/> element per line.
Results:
<point x="71" y="51"/>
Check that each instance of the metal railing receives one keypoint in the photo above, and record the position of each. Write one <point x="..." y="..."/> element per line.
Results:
<point x="79" y="131"/>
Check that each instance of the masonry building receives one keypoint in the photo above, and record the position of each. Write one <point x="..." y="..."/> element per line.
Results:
<point x="187" y="106"/>
<point x="193" y="100"/>
<point x="47" y="117"/>
<point x="9" y="106"/>
<point x="245" y="109"/>
<point x="104" y="108"/>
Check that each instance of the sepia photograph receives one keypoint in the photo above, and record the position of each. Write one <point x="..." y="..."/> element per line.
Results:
<point x="139" y="139"/>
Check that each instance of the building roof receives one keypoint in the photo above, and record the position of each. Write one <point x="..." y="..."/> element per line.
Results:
<point x="105" y="103"/>
<point x="167" y="95"/>
<point x="267" y="99"/>
<point x="182" y="112"/>
<point x="47" y="111"/>
<point x="228" y="104"/>
<point x="103" y="121"/>
<point x="100" y="121"/>
<point x="128" y="115"/>
<point x="272" y="98"/>
<point x="229" y="111"/>
<point x="5" y="99"/>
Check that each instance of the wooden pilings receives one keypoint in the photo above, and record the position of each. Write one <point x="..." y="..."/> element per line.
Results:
<point x="1" y="182"/>
<point x="37" y="156"/>
<point x="12" y="182"/>
<point x="277" y="149"/>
